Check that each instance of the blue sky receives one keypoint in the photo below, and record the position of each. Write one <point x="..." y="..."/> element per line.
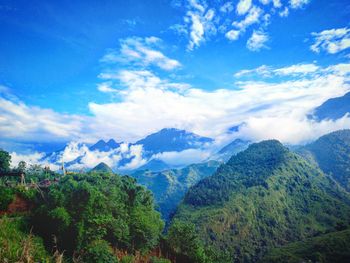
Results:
<point x="81" y="70"/>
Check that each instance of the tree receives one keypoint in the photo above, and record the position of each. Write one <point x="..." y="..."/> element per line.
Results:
<point x="22" y="166"/>
<point x="5" y="160"/>
<point x="183" y="240"/>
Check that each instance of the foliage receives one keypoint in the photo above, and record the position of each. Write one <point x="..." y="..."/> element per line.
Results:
<point x="183" y="240"/>
<point x="160" y="260"/>
<point x="5" y="160"/>
<point x="99" y="251"/>
<point x="87" y="208"/>
<point x="262" y="198"/>
<point x="18" y="246"/>
<point x="170" y="186"/>
<point x="6" y="197"/>
<point x="127" y="259"/>
<point x="331" y="153"/>
<point x="327" y="248"/>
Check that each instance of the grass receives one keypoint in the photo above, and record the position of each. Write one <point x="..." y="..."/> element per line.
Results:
<point x="19" y="246"/>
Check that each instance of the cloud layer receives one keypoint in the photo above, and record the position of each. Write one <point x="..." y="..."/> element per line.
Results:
<point x="205" y="19"/>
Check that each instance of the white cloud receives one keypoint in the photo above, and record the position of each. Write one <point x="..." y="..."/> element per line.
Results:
<point x="293" y="70"/>
<point x="298" y="3"/>
<point x="277" y="3"/>
<point x="141" y="51"/>
<point x="251" y="18"/>
<point x="200" y="21"/>
<point x="148" y="103"/>
<point x="243" y="6"/>
<point x="227" y="7"/>
<point x="197" y="31"/>
<point x="284" y="13"/>
<point x="332" y="41"/>
<point x="297" y="69"/>
<point x="184" y="157"/>
<point x="78" y="156"/>
<point x="153" y="107"/>
<point x="106" y="87"/>
<point x="232" y="35"/>
<point x="257" y="41"/>
<point x="203" y="20"/>
<point x="30" y="159"/>
<point x="22" y="122"/>
<point x="263" y="70"/>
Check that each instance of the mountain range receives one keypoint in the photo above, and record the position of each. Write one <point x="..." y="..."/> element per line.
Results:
<point x="268" y="196"/>
<point x="332" y="109"/>
<point x="123" y="156"/>
<point x="169" y="186"/>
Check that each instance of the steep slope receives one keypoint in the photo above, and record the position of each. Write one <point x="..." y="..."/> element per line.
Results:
<point x="102" y="167"/>
<point x="331" y="153"/>
<point x="230" y="149"/>
<point x="327" y="248"/>
<point x="333" y="109"/>
<point x="171" y="139"/>
<point x="263" y="197"/>
<point x="170" y="186"/>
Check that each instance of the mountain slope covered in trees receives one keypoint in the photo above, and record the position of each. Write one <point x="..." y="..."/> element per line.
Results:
<point x="331" y="153"/>
<point x="263" y="197"/>
<point x="330" y="247"/>
<point x="170" y="186"/>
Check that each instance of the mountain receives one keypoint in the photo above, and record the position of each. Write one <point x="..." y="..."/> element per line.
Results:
<point x="103" y="146"/>
<point x="127" y="156"/>
<point x="331" y="153"/>
<point x="263" y="197"/>
<point x="170" y="186"/>
<point x="171" y="139"/>
<point x="333" y="109"/>
<point x="102" y="167"/>
<point x="327" y="248"/>
<point x="232" y="148"/>
<point x="154" y="165"/>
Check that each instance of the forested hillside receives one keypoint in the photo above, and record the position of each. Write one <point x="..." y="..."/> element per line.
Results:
<point x="331" y="153"/>
<point x="93" y="217"/>
<point x="170" y="186"/>
<point x="330" y="247"/>
<point x="263" y="197"/>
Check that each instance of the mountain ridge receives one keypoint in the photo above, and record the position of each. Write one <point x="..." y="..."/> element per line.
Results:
<point x="263" y="197"/>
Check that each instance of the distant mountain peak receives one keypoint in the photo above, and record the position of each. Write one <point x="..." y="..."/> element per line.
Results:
<point x="172" y="139"/>
<point x="102" y="167"/>
<point x="332" y="109"/>
<point x="104" y="146"/>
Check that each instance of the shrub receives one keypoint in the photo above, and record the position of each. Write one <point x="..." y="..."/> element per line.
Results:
<point x="99" y="251"/>
<point x="6" y="197"/>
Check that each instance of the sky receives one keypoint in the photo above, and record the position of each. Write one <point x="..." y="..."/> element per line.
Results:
<point x="122" y="69"/>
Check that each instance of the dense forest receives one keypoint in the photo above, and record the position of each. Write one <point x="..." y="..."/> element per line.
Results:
<point x="263" y="198"/>
<point x="91" y="217"/>
<point x="266" y="204"/>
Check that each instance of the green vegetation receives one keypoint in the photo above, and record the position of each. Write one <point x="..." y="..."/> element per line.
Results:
<point x="331" y="153"/>
<point x="263" y="197"/>
<point x="102" y="168"/>
<point x="170" y="186"/>
<point x="5" y="160"/>
<point x="6" y="197"/>
<point x="265" y="204"/>
<point x="327" y="248"/>
<point x="86" y="209"/>
<point x="16" y="245"/>
<point x="184" y="241"/>
<point x="88" y="217"/>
